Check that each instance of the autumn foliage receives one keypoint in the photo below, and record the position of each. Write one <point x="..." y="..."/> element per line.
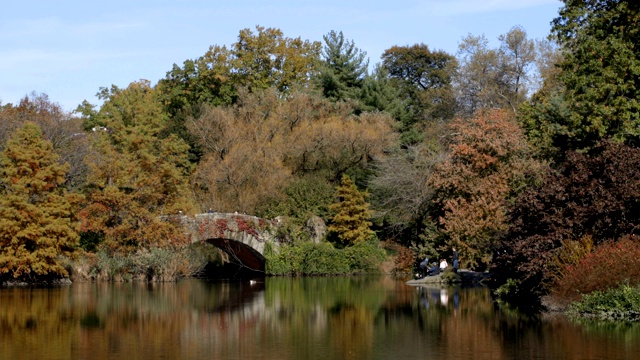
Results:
<point x="255" y="149"/>
<point x="609" y="265"/>
<point x="488" y="162"/>
<point x="263" y="127"/>
<point x="136" y="176"/>
<point x="37" y="216"/>
<point x="596" y="195"/>
<point x="351" y="217"/>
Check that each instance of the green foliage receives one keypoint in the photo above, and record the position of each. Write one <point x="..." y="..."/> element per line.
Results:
<point x="449" y="277"/>
<point x="269" y="59"/>
<point x="344" y="68"/>
<point x="307" y="258"/>
<point x="323" y="259"/>
<point x="365" y="257"/>
<point x="508" y="291"/>
<point x="90" y="240"/>
<point x="617" y="304"/>
<point x="600" y="74"/>
<point x="351" y="220"/>
<point x="423" y="78"/>
<point x="257" y="61"/>
<point x="303" y="198"/>
<point x="38" y="223"/>
<point x="379" y="94"/>
<point x="284" y="260"/>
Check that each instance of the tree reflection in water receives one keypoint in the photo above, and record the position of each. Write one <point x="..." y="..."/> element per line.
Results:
<point x="289" y="318"/>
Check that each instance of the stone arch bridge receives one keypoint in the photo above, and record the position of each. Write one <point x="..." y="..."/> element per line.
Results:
<point x="242" y="237"/>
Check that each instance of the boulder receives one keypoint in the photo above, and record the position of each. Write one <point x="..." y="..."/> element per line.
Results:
<point x="316" y="228"/>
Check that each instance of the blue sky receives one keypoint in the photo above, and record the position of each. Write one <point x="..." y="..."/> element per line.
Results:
<point x="69" y="49"/>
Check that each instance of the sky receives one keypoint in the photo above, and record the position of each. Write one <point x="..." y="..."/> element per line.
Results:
<point x="70" y="49"/>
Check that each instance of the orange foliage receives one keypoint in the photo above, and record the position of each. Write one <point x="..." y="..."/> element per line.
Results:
<point x="254" y="148"/>
<point x="488" y="162"/>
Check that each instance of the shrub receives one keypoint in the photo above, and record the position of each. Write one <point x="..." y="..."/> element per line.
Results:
<point x="571" y="252"/>
<point x="609" y="265"/>
<point x="365" y="257"/>
<point x="404" y="260"/>
<point x="285" y="261"/>
<point x="307" y="258"/>
<point x="507" y="291"/>
<point x="621" y="303"/>
<point x="596" y="193"/>
<point x="154" y="264"/>
<point x="323" y="259"/>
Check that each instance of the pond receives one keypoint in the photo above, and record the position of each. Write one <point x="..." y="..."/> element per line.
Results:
<point x="289" y="318"/>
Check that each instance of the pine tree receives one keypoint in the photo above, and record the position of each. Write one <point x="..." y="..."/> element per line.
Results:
<point x="37" y="216"/>
<point x="345" y="67"/>
<point x="351" y="220"/>
<point x="601" y="74"/>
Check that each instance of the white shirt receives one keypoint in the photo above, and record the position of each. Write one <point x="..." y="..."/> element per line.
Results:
<point x="443" y="264"/>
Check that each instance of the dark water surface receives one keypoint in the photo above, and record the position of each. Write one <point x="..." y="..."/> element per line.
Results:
<point x="288" y="318"/>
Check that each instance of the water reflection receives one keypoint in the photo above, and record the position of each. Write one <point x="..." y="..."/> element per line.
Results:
<point x="289" y="318"/>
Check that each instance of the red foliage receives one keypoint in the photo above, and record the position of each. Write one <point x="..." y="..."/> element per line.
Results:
<point x="596" y="194"/>
<point x="221" y="227"/>
<point x="609" y="265"/>
<point x="404" y="258"/>
<point x="248" y="228"/>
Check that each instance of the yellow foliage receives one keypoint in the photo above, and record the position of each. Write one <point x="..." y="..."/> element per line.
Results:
<point x="254" y="148"/>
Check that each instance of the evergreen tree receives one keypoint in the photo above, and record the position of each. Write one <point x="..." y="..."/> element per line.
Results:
<point x="136" y="176"/>
<point x="37" y="216"/>
<point x="601" y="74"/>
<point x="345" y="67"/>
<point x="378" y="94"/>
<point x="351" y="220"/>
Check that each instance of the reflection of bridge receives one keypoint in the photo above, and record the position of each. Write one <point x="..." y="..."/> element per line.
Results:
<point x="243" y="237"/>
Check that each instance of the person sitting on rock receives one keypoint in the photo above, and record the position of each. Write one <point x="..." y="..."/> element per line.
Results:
<point x="433" y="270"/>
<point x="443" y="265"/>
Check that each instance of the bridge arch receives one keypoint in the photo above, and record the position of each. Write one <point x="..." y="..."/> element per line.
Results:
<point x="242" y="237"/>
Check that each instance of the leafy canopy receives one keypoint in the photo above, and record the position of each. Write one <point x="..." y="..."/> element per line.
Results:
<point x="37" y="215"/>
<point x="136" y="175"/>
<point x="600" y="72"/>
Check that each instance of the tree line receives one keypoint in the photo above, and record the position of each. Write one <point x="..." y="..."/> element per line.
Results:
<point x="512" y="154"/>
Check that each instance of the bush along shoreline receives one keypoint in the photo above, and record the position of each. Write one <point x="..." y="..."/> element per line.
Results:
<point x="617" y="304"/>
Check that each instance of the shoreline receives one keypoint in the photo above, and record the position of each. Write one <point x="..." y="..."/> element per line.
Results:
<point x="463" y="276"/>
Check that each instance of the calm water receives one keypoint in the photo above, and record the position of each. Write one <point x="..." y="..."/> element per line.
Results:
<point x="288" y="318"/>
